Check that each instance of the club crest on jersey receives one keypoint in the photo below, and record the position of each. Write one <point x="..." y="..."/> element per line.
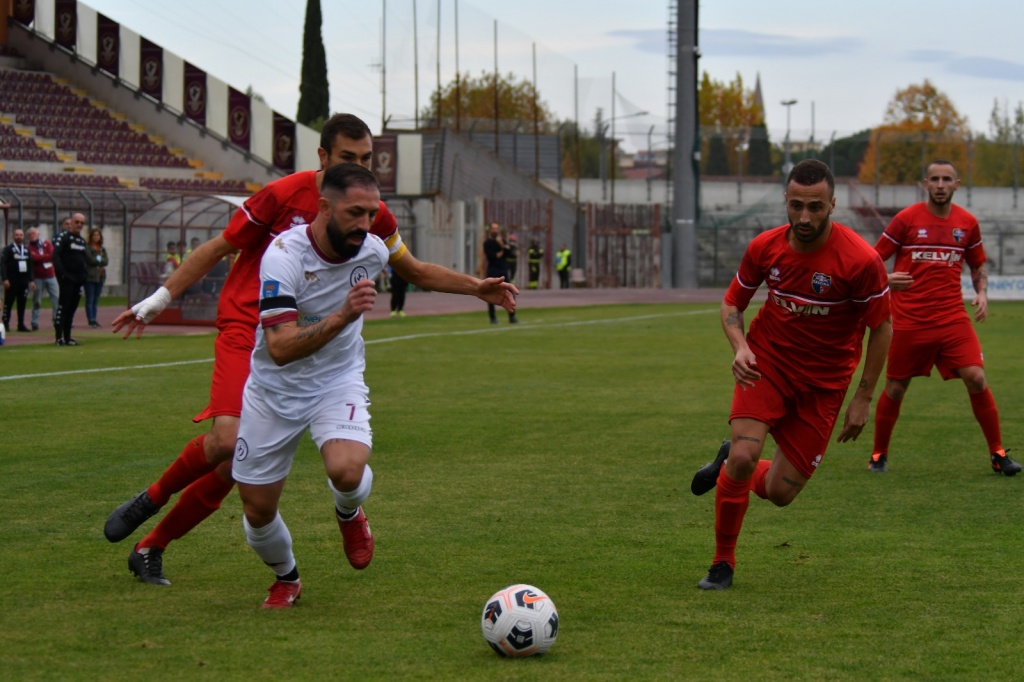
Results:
<point x="774" y="274"/>
<point x="271" y="288"/>
<point x="958" y="234"/>
<point x="359" y="273"/>
<point x="821" y="283"/>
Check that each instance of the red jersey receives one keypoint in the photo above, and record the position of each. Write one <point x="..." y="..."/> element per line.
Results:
<point x="281" y="205"/>
<point x="932" y="250"/>
<point x="819" y="304"/>
<point x="42" y="259"/>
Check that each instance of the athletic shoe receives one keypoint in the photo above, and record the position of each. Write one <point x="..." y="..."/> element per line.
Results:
<point x="878" y="463"/>
<point x="706" y="477"/>
<point x="401" y="313"/>
<point x="71" y="342"/>
<point x="719" y="577"/>
<point x="148" y="565"/>
<point x="35" y="327"/>
<point x="1001" y="464"/>
<point x="394" y="313"/>
<point x="60" y="342"/>
<point x="124" y="520"/>
<point x="283" y="595"/>
<point x="358" y="540"/>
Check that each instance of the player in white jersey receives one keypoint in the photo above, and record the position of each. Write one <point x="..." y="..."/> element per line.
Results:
<point x="307" y="373"/>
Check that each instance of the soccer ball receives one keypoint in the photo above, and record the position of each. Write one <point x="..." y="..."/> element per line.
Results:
<point x="519" y="620"/>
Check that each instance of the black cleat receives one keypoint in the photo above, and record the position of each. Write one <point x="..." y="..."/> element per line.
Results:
<point x="706" y="477"/>
<point x="879" y="463"/>
<point x="149" y="566"/>
<point x="129" y="516"/>
<point x="719" y="577"/>
<point x="71" y="342"/>
<point x="1001" y="464"/>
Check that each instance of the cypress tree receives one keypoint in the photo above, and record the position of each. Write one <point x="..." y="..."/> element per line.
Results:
<point x="718" y="159"/>
<point x="759" y="154"/>
<point x="314" y="91"/>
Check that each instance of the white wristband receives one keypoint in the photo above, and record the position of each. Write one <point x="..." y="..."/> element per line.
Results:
<point x="150" y="307"/>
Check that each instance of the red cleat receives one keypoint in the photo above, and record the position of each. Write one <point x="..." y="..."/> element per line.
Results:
<point x="358" y="540"/>
<point x="283" y="594"/>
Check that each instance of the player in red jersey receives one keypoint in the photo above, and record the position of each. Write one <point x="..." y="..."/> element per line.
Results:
<point x="931" y="240"/>
<point x="203" y="469"/>
<point x="792" y="370"/>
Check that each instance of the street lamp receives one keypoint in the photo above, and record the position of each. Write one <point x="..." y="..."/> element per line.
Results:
<point x="787" y="165"/>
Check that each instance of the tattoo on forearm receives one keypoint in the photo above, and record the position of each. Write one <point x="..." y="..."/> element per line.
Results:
<point x="862" y="384"/>
<point x="310" y="332"/>
<point x="749" y="438"/>
<point x="979" y="276"/>
<point x="734" y="320"/>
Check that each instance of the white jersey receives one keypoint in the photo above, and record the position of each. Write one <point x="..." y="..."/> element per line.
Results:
<point x="299" y="282"/>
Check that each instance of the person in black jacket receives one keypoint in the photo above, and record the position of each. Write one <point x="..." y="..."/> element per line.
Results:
<point x="17" y="278"/>
<point x="71" y="264"/>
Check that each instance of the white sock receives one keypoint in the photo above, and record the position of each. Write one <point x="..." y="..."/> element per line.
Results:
<point x="272" y="543"/>
<point x="347" y="503"/>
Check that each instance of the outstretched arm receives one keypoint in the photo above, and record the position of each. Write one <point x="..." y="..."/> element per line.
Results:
<point x="192" y="269"/>
<point x="433" y="277"/>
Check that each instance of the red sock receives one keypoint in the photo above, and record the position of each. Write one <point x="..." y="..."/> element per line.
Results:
<point x="190" y="465"/>
<point x="760" y="478"/>
<point x="985" y="411"/>
<point x="199" y="500"/>
<point x="886" y="414"/>
<point x="731" y="501"/>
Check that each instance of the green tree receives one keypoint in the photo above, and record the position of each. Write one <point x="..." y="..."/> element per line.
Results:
<point x="314" y="90"/>
<point x="997" y="156"/>
<point x="845" y="154"/>
<point x="473" y="99"/>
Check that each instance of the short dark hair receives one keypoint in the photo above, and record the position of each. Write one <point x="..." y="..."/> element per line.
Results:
<point x="348" y="125"/>
<point x="941" y="162"/>
<point x="810" y="172"/>
<point x="344" y="175"/>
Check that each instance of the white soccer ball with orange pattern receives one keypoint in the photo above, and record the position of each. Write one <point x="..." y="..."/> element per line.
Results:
<point x="520" y="620"/>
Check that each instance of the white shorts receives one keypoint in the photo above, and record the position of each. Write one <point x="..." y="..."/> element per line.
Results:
<point x="272" y="424"/>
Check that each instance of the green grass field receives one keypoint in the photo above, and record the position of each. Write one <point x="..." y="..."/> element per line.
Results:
<point x="557" y="452"/>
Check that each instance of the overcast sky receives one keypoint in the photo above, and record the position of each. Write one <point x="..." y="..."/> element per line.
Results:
<point x="848" y="59"/>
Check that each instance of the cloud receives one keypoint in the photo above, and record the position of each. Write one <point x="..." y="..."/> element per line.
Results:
<point x="729" y="42"/>
<point x="985" y="67"/>
<point x="929" y="55"/>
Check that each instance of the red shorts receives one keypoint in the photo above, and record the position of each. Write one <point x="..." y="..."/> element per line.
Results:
<point x="800" y="418"/>
<point x="913" y="353"/>
<point x="232" y="353"/>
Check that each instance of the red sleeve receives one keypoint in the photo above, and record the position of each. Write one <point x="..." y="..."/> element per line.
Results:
<point x="975" y="252"/>
<point x="747" y="279"/>
<point x="253" y="221"/>
<point x="876" y="288"/>
<point x="385" y="224"/>
<point x="891" y="239"/>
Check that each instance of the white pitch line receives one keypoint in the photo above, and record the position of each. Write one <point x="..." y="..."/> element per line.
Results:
<point x="390" y="339"/>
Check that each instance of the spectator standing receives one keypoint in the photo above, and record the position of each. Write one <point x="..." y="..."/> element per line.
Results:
<point x="512" y="257"/>
<point x="97" y="274"/>
<point x="563" y="263"/>
<point x="398" y="288"/>
<point x="497" y="266"/>
<point x="41" y="251"/>
<point x="17" y="278"/>
<point x="535" y="255"/>
<point x="72" y="268"/>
